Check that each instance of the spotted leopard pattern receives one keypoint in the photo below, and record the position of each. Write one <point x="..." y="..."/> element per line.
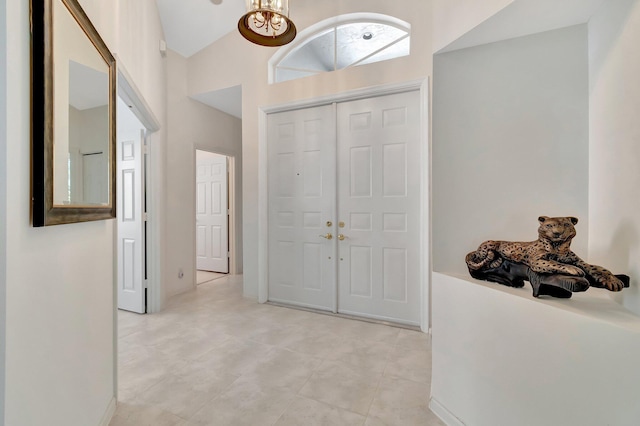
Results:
<point x="549" y="254"/>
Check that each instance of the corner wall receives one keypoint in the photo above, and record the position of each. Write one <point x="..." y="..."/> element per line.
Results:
<point x="193" y="125"/>
<point x="510" y="142"/>
<point x="60" y="307"/>
<point x="614" y="147"/>
<point x="502" y="357"/>
<point x="60" y="337"/>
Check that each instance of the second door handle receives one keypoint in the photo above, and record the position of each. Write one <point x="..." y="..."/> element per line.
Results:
<point x="329" y="236"/>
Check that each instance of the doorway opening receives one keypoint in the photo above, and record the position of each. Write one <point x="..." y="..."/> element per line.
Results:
<point x="214" y="216"/>
<point x="138" y="228"/>
<point x="350" y="238"/>
<point x="131" y="164"/>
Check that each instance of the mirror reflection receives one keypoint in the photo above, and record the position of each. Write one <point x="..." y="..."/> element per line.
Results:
<point x="81" y="115"/>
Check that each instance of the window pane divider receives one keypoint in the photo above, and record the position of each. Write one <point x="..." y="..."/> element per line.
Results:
<point x="378" y="51"/>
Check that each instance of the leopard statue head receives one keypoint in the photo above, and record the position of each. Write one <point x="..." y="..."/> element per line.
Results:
<point x="557" y="230"/>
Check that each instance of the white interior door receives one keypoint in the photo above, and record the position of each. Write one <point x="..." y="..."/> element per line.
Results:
<point x="131" y="217"/>
<point x="301" y="161"/>
<point x="212" y="212"/>
<point x="379" y="205"/>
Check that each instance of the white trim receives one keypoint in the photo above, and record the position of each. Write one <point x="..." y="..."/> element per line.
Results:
<point x="287" y="303"/>
<point x="263" y="209"/>
<point x="154" y="226"/>
<point x="108" y="414"/>
<point x="130" y="94"/>
<point x="444" y="414"/>
<point x="233" y="246"/>
<point x="350" y="95"/>
<point x="425" y="206"/>
<point x="379" y="318"/>
<point x="422" y="85"/>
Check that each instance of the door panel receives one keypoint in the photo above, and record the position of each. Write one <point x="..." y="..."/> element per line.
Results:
<point x="379" y="202"/>
<point x="212" y="226"/>
<point x="301" y="155"/>
<point x="131" y="279"/>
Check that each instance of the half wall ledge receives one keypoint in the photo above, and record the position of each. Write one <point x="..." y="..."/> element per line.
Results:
<point x="501" y="357"/>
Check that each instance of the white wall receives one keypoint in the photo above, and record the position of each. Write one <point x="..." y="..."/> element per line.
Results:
<point x="246" y="64"/>
<point x="510" y="142"/>
<point x="614" y="147"/>
<point x="192" y="125"/>
<point x="60" y="353"/>
<point x="453" y="18"/>
<point x="88" y="132"/>
<point x="501" y="357"/>
<point x="59" y="348"/>
<point x="3" y="200"/>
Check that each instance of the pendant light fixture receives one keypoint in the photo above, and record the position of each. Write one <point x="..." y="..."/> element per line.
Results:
<point x="267" y="23"/>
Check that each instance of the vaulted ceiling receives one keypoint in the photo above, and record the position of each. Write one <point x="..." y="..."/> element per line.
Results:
<point x="191" y="25"/>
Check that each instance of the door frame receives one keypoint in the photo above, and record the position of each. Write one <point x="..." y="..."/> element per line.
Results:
<point x="231" y="194"/>
<point x="421" y="85"/>
<point x="132" y="96"/>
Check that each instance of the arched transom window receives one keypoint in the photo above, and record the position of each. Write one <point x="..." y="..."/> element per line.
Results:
<point x="341" y="42"/>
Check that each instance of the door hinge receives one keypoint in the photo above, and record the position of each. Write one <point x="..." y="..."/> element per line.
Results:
<point x="145" y="216"/>
<point x="228" y="212"/>
<point x="145" y="149"/>
<point x="228" y="254"/>
<point x="146" y="284"/>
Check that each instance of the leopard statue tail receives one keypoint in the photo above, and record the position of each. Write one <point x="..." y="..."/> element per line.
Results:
<point x="485" y="257"/>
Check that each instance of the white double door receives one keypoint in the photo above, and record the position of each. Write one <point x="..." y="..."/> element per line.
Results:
<point x="344" y="207"/>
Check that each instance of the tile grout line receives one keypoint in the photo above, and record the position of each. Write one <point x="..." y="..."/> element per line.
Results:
<point x="375" y="394"/>
<point x="285" y="410"/>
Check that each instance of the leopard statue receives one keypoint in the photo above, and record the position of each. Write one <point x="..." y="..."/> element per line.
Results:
<point x="547" y="263"/>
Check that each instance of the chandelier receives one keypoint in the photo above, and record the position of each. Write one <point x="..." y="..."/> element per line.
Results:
<point x="267" y="23"/>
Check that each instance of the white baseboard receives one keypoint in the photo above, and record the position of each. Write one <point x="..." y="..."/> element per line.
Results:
<point x="111" y="410"/>
<point x="444" y="414"/>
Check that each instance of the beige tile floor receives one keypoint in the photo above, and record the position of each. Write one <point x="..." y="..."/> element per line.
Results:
<point x="205" y="276"/>
<point x="214" y="358"/>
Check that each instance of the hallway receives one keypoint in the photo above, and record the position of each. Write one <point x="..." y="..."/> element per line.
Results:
<point x="214" y="358"/>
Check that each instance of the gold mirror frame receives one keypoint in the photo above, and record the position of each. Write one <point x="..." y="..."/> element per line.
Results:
<point x="43" y="58"/>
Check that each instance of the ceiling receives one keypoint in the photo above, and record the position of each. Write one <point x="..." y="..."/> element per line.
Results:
<point x="88" y="87"/>
<point x="190" y="26"/>
<point x="227" y="100"/>
<point x="525" y="17"/>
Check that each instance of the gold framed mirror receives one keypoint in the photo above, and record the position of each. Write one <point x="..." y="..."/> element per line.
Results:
<point x="73" y="87"/>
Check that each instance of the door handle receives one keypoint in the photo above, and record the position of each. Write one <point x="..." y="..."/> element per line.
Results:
<point x="328" y="236"/>
<point x="342" y="237"/>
